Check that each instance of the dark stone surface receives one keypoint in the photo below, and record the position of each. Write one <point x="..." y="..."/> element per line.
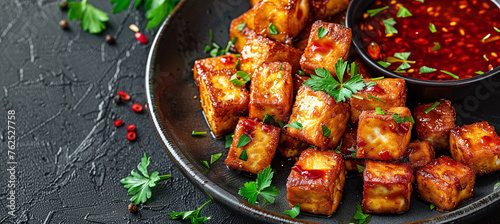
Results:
<point x="70" y="157"/>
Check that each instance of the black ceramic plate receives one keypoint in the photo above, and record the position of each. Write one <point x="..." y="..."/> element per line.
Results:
<point x="175" y="113"/>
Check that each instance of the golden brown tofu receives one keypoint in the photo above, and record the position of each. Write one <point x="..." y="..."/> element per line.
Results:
<point x="253" y="2"/>
<point x="313" y="110"/>
<point x="392" y="92"/>
<point x="387" y="187"/>
<point x="354" y="165"/>
<point x="420" y="153"/>
<point x="247" y="32"/>
<point x="289" y="146"/>
<point x="316" y="182"/>
<point x="271" y="91"/>
<point x="212" y="64"/>
<point x="326" y="51"/>
<point x="260" y="49"/>
<point x="435" y="126"/>
<point x="445" y="183"/>
<point x="298" y="80"/>
<point x="222" y="102"/>
<point x="259" y="151"/>
<point x="288" y="18"/>
<point x="380" y="137"/>
<point x="326" y="8"/>
<point x="477" y="146"/>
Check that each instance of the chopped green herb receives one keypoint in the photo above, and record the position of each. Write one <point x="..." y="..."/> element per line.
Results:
<point x="272" y="29"/>
<point x="241" y="26"/>
<point x="215" y="157"/>
<point x="302" y="72"/>
<point x="403" y="12"/>
<point x="280" y="76"/>
<point x="402" y="119"/>
<point x="378" y="110"/>
<point x="205" y="163"/>
<point x="451" y="74"/>
<point x="326" y="131"/>
<point x="194" y="133"/>
<point x="238" y="56"/>
<point x="431" y="107"/>
<point x="389" y="25"/>
<point x="496" y="29"/>
<point x="281" y="67"/>
<point x="486" y="37"/>
<point x="479" y="72"/>
<point x="373" y="12"/>
<point x="261" y="186"/>
<point x="381" y="100"/>
<point x="359" y="215"/>
<point x="268" y="119"/>
<point x="193" y="216"/>
<point x="238" y="82"/>
<point x="496" y="186"/>
<point x="322" y="32"/>
<point x="425" y="69"/>
<point x="420" y="1"/>
<point x="280" y="123"/>
<point x="244" y="140"/>
<point x="432" y="27"/>
<point x="337" y="151"/>
<point x="403" y="57"/>
<point x="360" y="168"/>
<point x="294" y="212"/>
<point x="436" y="46"/>
<point x="237" y="63"/>
<point x="432" y="207"/>
<point x="207" y="48"/>
<point x="243" y="155"/>
<point x="485" y="58"/>
<point x="294" y="124"/>
<point x="342" y="23"/>
<point x="228" y="140"/>
<point x="384" y="64"/>
<point x="378" y="78"/>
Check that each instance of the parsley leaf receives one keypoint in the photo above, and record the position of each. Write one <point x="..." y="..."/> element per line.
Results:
<point x="92" y="18"/>
<point x="403" y="12"/>
<point x="294" y="212"/>
<point x="432" y="27"/>
<point x="389" y="25"/>
<point x="425" y="69"/>
<point x="228" y="140"/>
<point x="243" y="155"/>
<point x="359" y="215"/>
<point x="193" y="216"/>
<point x="401" y="57"/>
<point x="120" y="5"/>
<point x="156" y="10"/>
<point x="244" y="140"/>
<point x="261" y="186"/>
<point x="294" y="124"/>
<point x="322" y="32"/>
<point x="373" y="12"/>
<point x="326" y="131"/>
<point x="140" y="185"/>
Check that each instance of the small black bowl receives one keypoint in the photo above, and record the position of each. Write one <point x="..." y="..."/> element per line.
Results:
<point x="419" y="88"/>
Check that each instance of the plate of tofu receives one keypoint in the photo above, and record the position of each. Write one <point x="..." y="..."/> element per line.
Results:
<point x="363" y="148"/>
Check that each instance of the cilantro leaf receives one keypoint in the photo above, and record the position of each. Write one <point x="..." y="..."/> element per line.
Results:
<point x="93" y="19"/>
<point x="268" y="119"/>
<point x="193" y="216"/>
<point x="373" y="12"/>
<point x="359" y="215"/>
<point x="389" y="25"/>
<point x="272" y="29"/>
<point x="403" y="12"/>
<point x="261" y="186"/>
<point x="294" y="212"/>
<point x="243" y="155"/>
<point x="401" y="57"/>
<point x="244" y="140"/>
<point x="140" y="185"/>
<point x="360" y="168"/>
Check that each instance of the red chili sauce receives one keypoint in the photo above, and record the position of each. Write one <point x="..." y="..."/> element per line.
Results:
<point x="465" y="31"/>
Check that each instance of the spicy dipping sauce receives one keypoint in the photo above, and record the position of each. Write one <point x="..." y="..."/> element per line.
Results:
<point x="445" y="39"/>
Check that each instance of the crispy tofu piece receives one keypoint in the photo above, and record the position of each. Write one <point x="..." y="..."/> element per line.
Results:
<point x="271" y="91"/>
<point x="259" y="49"/>
<point x="260" y="150"/>
<point x="313" y="109"/>
<point x="322" y="9"/>
<point x="246" y="33"/>
<point x="392" y="91"/>
<point x="212" y="64"/>
<point x="380" y="137"/>
<point x="477" y="146"/>
<point x="325" y="52"/>
<point x="288" y="16"/>
<point x="435" y="126"/>
<point x="445" y="183"/>
<point x="387" y="187"/>
<point x="222" y="102"/>
<point x="316" y="182"/>
<point x="420" y="153"/>
<point x="289" y="146"/>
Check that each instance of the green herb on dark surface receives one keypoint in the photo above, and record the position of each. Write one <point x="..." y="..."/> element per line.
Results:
<point x="139" y="184"/>
<point x="486" y="37"/>
<point x="208" y="48"/>
<point x="241" y="26"/>
<point x="194" y="133"/>
<point x="373" y="12"/>
<point x="244" y="140"/>
<point x="294" y="212"/>
<point x="205" y="163"/>
<point x="432" y="207"/>
<point x="381" y="100"/>
<point x="496" y="186"/>
<point x="450" y="74"/>
<point x="360" y="168"/>
<point x="268" y="119"/>
<point x="399" y="119"/>
<point x="295" y="124"/>
<point x="389" y="25"/>
<point x="359" y="215"/>
<point x="434" y="105"/>
<point x="215" y="157"/>
<point x="384" y="64"/>
<point x="243" y="155"/>
<point x="238" y="82"/>
<point x="425" y="69"/>
<point x="192" y="216"/>
<point x="432" y="27"/>
<point x="378" y="110"/>
<point x="93" y="19"/>
<point x="156" y="10"/>
<point x="403" y="12"/>
<point x="228" y="140"/>
<point x="479" y="72"/>
<point x="261" y="186"/>
<point x="436" y="47"/>
<point x="326" y="131"/>
<point x="322" y="32"/>
<point x="272" y="29"/>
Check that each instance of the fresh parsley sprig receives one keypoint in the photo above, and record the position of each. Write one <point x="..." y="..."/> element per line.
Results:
<point x="340" y="90"/>
<point x="193" y="216"/>
<point x="262" y="186"/>
<point x="156" y="10"/>
<point x="93" y="19"/>
<point x="140" y="185"/>
<point x="359" y="215"/>
<point x="294" y="212"/>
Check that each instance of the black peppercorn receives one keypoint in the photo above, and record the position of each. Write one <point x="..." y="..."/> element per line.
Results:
<point x="110" y="39"/>
<point x="132" y="208"/>
<point x="118" y="99"/>
<point x="63" y="24"/>
<point x="63" y="5"/>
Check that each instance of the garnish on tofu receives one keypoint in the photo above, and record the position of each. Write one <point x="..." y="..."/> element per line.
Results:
<point x="261" y="186"/>
<point x="295" y="124"/>
<point x="432" y="107"/>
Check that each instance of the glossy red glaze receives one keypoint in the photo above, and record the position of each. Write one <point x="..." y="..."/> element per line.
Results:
<point x="362" y="143"/>
<point x="385" y="155"/>
<point x="403" y="128"/>
<point x="311" y="174"/>
<point x="321" y="47"/>
<point x="375" y="89"/>
<point x="249" y="126"/>
<point x="227" y="60"/>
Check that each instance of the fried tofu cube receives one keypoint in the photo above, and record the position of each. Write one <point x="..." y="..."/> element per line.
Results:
<point x="420" y="153"/>
<point x="222" y="102"/>
<point x="271" y="91"/>
<point x="323" y="9"/>
<point x="435" y="125"/>
<point x="445" y="183"/>
<point x="316" y="182"/>
<point x="259" y="151"/>
<point x="317" y="111"/>
<point x="387" y="187"/>
<point x="259" y="49"/>
<point x="326" y="51"/>
<point x="242" y="34"/>
<point x="387" y="93"/>
<point x="380" y="137"/>
<point x="212" y="64"/>
<point x="477" y="146"/>
<point x="285" y="17"/>
<point x="289" y="146"/>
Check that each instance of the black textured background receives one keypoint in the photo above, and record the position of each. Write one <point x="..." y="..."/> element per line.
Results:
<point x="61" y="84"/>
